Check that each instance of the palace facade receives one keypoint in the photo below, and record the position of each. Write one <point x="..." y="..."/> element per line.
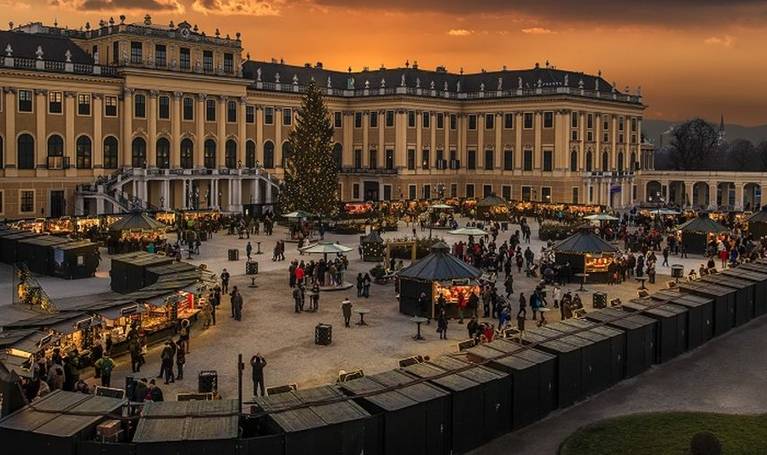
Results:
<point x="97" y="119"/>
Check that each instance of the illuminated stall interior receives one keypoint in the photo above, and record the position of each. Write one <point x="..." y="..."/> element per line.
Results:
<point x="587" y="253"/>
<point x="438" y="273"/>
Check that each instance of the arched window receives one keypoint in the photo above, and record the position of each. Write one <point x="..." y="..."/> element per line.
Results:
<point x="187" y="154"/>
<point x="269" y="155"/>
<point x="230" y="154"/>
<point x="110" y="152"/>
<point x="573" y="161"/>
<point x="138" y="153"/>
<point x="209" y="154"/>
<point x="83" y="152"/>
<point x="633" y="163"/>
<point x="286" y="152"/>
<point x="619" y="164"/>
<point x="55" y="145"/>
<point x="25" y="152"/>
<point x="163" y="153"/>
<point x="250" y="154"/>
<point x="338" y="154"/>
<point x="589" y="161"/>
<point x="605" y="161"/>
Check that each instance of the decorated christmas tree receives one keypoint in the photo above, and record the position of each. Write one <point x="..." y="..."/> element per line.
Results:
<point x="311" y="175"/>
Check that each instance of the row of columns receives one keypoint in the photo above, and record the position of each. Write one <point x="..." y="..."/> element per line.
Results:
<point x="234" y="191"/>
<point x="599" y="191"/>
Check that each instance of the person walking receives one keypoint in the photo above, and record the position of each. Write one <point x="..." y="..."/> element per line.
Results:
<point x="509" y="284"/>
<point x="181" y="350"/>
<point x="297" y="299"/>
<point x="346" y="309"/>
<point x="166" y="366"/>
<point x="522" y="305"/>
<point x="105" y="365"/>
<point x="248" y="250"/>
<point x="365" y="285"/>
<point x="442" y="325"/>
<point x="225" y="281"/>
<point x="236" y="299"/>
<point x="360" y="284"/>
<point x="257" y="364"/>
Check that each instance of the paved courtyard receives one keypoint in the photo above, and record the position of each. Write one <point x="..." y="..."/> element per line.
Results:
<point x="286" y="339"/>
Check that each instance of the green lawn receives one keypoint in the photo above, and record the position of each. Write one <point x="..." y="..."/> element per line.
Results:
<point x="668" y="433"/>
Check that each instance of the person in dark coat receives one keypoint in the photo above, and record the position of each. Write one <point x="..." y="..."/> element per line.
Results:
<point x="346" y="309"/>
<point x="225" y="281"/>
<point x="166" y="365"/>
<point x="236" y="299"/>
<point x="442" y="325"/>
<point x="257" y="363"/>
<point x="180" y="358"/>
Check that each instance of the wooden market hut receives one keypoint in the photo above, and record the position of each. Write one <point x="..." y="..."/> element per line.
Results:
<point x="438" y="273"/>
<point x="757" y="223"/>
<point x="492" y="207"/>
<point x="697" y="232"/>
<point x="135" y="225"/>
<point x="587" y="253"/>
<point x="373" y="248"/>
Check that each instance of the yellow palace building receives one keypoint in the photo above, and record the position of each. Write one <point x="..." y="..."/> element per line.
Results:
<point x="167" y="116"/>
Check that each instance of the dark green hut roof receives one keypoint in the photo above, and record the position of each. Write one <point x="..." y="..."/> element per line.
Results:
<point x="759" y="217"/>
<point x="440" y="265"/>
<point x="584" y="241"/>
<point x="491" y="201"/>
<point x="136" y="221"/>
<point x="702" y="223"/>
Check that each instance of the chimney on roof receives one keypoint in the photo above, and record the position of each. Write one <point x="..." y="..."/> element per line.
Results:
<point x="307" y="65"/>
<point x="365" y="69"/>
<point x="441" y="69"/>
<point x="537" y="65"/>
<point x="319" y="65"/>
<point x="415" y="64"/>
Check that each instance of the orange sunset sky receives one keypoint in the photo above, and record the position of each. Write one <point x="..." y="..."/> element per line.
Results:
<point x="691" y="57"/>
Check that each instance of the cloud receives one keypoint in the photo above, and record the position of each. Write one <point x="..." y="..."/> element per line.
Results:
<point x="165" y="6"/>
<point x="14" y="4"/>
<point x="460" y="32"/>
<point x="604" y="12"/>
<point x="537" y="31"/>
<point x="725" y="41"/>
<point x="244" y="7"/>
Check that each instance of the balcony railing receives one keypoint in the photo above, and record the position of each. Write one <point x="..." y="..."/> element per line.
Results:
<point x="352" y="170"/>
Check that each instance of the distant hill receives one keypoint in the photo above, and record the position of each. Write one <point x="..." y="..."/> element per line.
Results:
<point x="653" y="129"/>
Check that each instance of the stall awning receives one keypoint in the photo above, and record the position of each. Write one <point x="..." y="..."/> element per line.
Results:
<point x="188" y="421"/>
<point x="137" y="221"/>
<point x="584" y="242"/>
<point x="61" y="414"/>
<point x="703" y="223"/>
<point x="440" y="265"/>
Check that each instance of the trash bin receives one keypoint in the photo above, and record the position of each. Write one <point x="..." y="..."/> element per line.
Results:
<point x="323" y="334"/>
<point x="234" y="255"/>
<point x="599" y="300"/>
<point x="251" y="268"/>
<point x="207" y="381"/>
<point x="677" y="271"/>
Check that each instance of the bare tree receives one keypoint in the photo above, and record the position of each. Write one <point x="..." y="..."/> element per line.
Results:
<point x="761" y="153"/>
<point x="741" y="156"/>
<point x="693" y="143"/>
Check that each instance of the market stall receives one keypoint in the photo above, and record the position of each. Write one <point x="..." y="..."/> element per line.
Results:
<point x="128" y="271"/>
<point x="372" y="247"/>
<point x="75" y="259"/>
<point x="586" y="253"/>
<point x="67" y="331"/>
<point x="134" y="232"/>
<point x="441" y="216"/>
<point x="757" y="224"/>
<point x="698" y="232"/>
<point x="493" y="208"/>
<point x="439" y="273"/>
<point x="9" y="242"/>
